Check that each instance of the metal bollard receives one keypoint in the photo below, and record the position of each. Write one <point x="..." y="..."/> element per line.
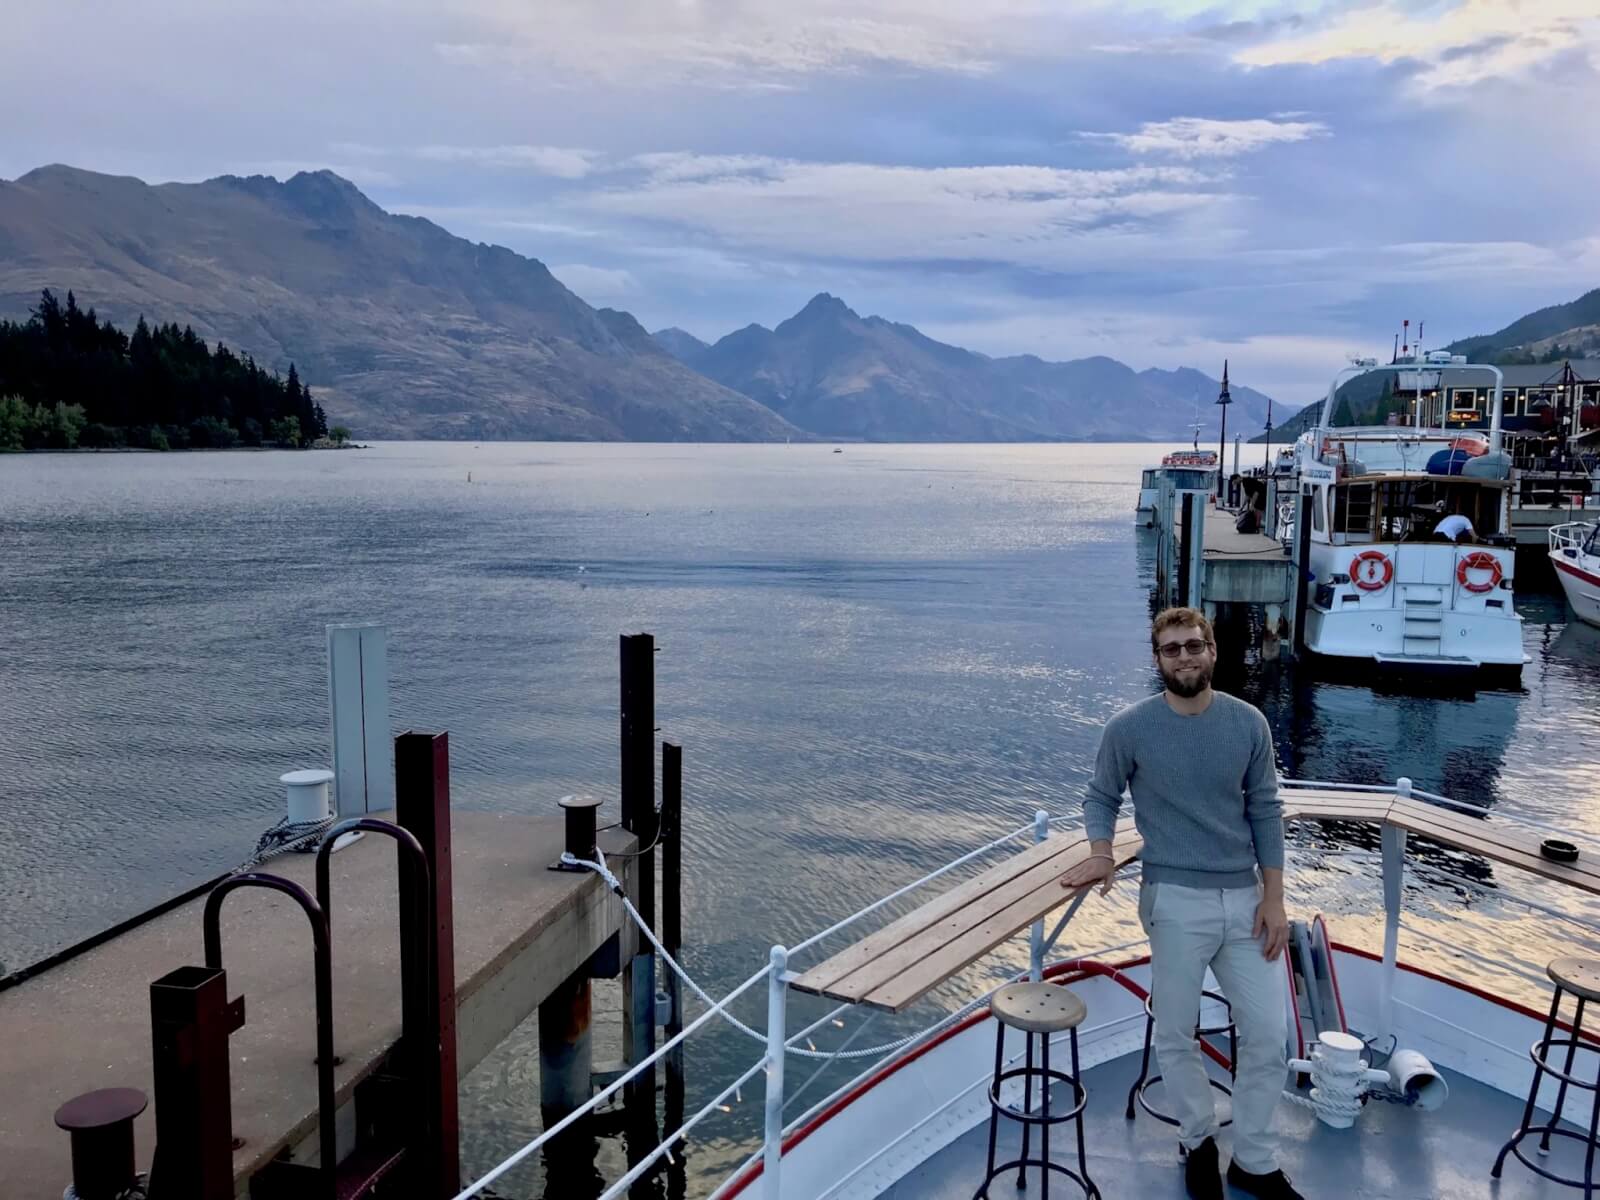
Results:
<point x="100" y="1124"/>
<point x="582" y="818"/>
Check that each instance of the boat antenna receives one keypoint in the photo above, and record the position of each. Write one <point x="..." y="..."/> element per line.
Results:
<point x="1405" y="341"/>
<point x="1394" y="357"/>
<point x="1420" y="324"/>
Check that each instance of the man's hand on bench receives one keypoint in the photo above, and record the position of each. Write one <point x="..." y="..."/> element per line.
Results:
<point x="1100" y="867"/>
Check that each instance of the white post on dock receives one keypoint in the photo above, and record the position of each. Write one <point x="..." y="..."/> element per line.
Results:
<point x="358" y="698"/>
<point x="1394" y="862"/>
<point x="1041" y="830"/>
<point x="777" y="998"/>
<point x="1166" y="533"/>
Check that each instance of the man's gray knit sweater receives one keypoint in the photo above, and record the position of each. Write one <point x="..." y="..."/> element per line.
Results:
<point x="1205" y="791"/>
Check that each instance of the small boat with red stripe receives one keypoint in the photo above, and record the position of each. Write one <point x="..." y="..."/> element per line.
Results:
<point x="1575" y="555"/>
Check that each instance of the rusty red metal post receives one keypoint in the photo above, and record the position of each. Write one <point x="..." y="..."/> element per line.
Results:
<point x="190" y="1020"/>
<point x="672" y="916"/>
<point x="638" y="771"/>
<point x="422" y="806"/>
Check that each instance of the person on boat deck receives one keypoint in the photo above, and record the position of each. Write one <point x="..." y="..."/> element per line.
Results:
<point x="1457" y="528"/>
<point x="1200" y="768"/>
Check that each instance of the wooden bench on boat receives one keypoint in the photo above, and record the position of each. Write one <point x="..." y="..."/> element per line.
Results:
<point x="906" y="959"/>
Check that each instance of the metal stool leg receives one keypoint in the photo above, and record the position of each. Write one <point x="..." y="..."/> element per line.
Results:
<point x="1561" y="1092"/>
<point x="1027" y="1106"/>
<point x="1144" y="1065"/>
<point x="1533" y="1090"/>
<point x="1594" y="1131"/>
<point x="1083" y="1154"/>
<point x="1044" y="1130"/>
<point x="994" y="1113"/>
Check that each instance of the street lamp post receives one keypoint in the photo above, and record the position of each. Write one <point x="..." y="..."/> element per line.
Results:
<point x="1224" y="399"/>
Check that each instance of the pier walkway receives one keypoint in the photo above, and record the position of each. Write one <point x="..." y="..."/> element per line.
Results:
<point x="520" y="930"/>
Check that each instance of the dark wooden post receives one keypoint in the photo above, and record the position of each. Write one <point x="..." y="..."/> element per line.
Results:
<point x="672" y="915"/>
<point x="422" y="806"/>
<point x="638" y="779"/>
<point x="1302" y="565"/>
<point x="1187" y="547"/>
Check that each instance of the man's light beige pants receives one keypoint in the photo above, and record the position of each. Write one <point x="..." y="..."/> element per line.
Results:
<point x="1191" y="929"/>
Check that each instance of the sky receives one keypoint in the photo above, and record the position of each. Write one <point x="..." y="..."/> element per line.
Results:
<point x="1277" y="183"/>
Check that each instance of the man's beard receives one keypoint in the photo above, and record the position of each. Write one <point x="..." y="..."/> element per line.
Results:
<point x="1188" y="685"/>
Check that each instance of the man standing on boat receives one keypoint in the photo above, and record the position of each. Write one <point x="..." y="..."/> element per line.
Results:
<point x="1199" y="766"/>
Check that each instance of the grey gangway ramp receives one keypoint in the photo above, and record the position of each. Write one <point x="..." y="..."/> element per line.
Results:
<point x="520" y="930"/>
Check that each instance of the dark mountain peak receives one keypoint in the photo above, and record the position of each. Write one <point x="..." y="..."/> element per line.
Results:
<point x="59" y="177"/>
<point x="625" y="327"/>
<point x="820" y="309"/>
<point x="320" y="195"/>
<point x="680" y="343"/>
<point x="324" y="196"/>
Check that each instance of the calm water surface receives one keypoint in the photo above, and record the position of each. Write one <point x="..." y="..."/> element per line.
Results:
<point x="874" y="660"/>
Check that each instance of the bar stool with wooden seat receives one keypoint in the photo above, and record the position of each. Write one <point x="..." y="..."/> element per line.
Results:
<point x="1146" y="1080"/>
<point x="1580" y="977"/>
<point x="1036" y="1010"/>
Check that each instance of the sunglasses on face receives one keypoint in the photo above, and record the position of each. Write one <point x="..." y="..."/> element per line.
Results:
<point x="1194" y="646"/>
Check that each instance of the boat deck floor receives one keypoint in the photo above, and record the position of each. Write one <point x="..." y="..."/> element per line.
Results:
<point x="1392" y="1152"/>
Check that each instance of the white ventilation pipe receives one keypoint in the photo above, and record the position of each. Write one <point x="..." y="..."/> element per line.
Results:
<point x="1340" y="1078"/>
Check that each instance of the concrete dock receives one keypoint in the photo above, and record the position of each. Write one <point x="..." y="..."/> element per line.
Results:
<point x="520" y="931"/>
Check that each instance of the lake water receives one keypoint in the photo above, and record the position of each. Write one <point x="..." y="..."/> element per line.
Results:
<point x="874" y="660"/>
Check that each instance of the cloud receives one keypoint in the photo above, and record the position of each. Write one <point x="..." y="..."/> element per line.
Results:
<point x="1461" y="45"/>
<point x="736" y="43"/>
<point x="1029" y="215"/>
<point x="1201" y="137"/>
<point x="562" y="162"/>
<point x="559" y="162"/>
<point x="598" y="285"/>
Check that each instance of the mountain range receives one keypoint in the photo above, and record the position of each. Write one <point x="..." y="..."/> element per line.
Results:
<point x="404" y="330"/>
<point x="841" y="375"/>
<point x="401" y="329"/>
<point x="1573" y="327"/>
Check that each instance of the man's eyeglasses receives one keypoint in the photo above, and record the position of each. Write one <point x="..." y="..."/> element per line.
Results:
<point x="1194" y="646"/>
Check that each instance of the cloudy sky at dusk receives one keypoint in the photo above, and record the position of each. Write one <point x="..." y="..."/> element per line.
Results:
<point x="1278" y="182"/>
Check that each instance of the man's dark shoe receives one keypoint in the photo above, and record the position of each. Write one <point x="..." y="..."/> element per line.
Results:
<point x="1202" y="1172"/>
<point x="1274" y="1185"/>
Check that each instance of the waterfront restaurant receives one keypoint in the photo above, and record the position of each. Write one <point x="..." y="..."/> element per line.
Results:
<point x="1535" y="400"/>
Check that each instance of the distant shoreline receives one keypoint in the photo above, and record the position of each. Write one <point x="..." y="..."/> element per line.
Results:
<point x="182" y="450"/>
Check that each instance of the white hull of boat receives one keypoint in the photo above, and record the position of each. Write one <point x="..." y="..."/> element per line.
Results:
<point x="1580" y="573"/>
<point x="1465" y="640"/>
<point x="899" y="1114"/>
<point x="1580" y="580"/>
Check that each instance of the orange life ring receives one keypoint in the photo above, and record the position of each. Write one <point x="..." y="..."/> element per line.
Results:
<point x="1376" y="578"/>
<point x="1479" y="560"/>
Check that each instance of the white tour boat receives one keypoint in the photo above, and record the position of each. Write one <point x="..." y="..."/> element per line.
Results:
<point x="1575" y="555"/>
<point x="1387" y="589"/>
<point x="1420" y="1072"/>
<point x="1189" y="469"/>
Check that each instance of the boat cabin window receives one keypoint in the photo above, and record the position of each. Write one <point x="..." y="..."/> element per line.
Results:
<point x="1318" y="523"/>
<point x="1408" y="510"/>
<point x="1354" y="509"/>
<point x="1148" y="480"/>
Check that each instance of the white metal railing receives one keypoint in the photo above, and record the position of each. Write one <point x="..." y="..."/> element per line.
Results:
<point x="778" y="1045"/>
